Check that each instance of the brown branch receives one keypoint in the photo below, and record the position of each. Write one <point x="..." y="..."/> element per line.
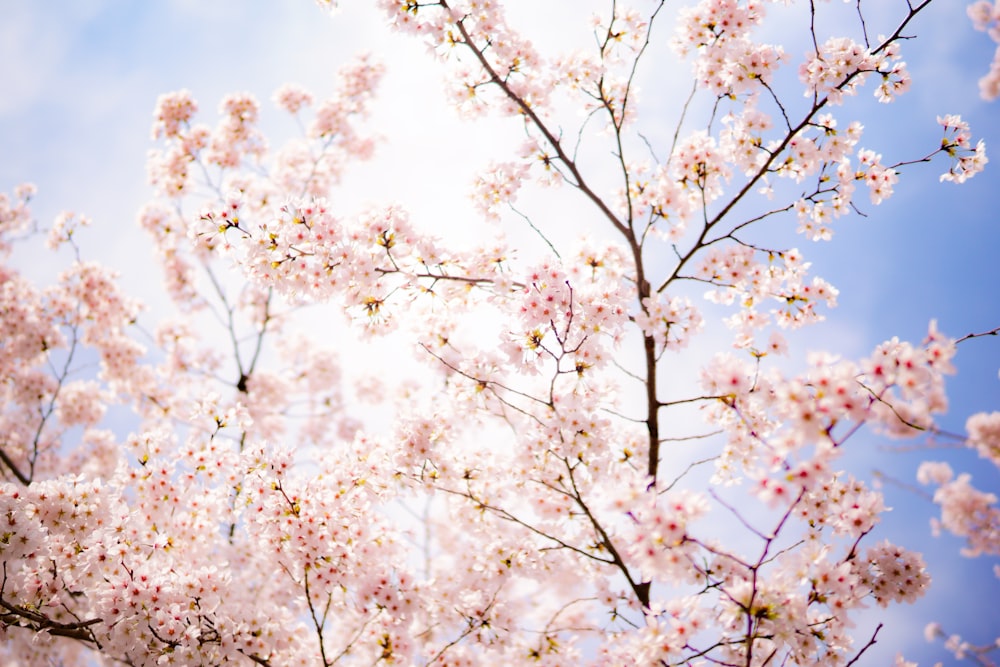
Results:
<point x="255" y="658"/>
<point x="21" y="477"/>
<point x="507" y="516"/>
<point x="38" y="622"/>
<point x="991" y="332"/>
<point x="529" y="113"/>
<point x="318" y="623"/>
<point x="871" y="642"/>
<point x="641" y="589"/>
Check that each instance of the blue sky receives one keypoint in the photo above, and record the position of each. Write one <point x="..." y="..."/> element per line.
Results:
<point x="80" y="83"/>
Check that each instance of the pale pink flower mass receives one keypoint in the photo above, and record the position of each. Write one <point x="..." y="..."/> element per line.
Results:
<point x="357" y="442"/>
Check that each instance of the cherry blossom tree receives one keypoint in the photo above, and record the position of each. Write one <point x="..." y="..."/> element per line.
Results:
<point x="597" y="445"/>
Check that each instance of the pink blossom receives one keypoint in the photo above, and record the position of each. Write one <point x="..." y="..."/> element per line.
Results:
<point x="173" y="110"/>
<point x="292" y="98"/>
<point x="984" y="435"/>
<point x="497" y="462"/>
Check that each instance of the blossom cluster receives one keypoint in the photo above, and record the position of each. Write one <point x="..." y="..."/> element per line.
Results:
<point x="728" y="62"/>
<point x="739" y="277"/>
<point x="524" y="494"/>
<point x="565" y="314"/>
<point x="671" y="322"/>
<point x="15" y="216"/>
<point x="965" y="511"/>
<point x="789" y="430"/>
<point x="841" y="66"/>
<point x="956" y="143"/>
<point x="986" y="17"/>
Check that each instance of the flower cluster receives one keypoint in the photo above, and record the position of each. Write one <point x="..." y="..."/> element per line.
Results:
<point x="986" y="17"/>
<point x="236" y="137"/>
<point x="961" y="648"/>
<point x="956" y="143"/>
<point x="568" y="315"/>
<point x="966" y="511"/>
<point x="522" y="488"/>
<point x="894" y="574"/>
<point x="907" y="382"/>
<point x="671" y="322"/>
<point x="728" y="62"/>
<point x="497" y="186"/>
<point x="15" y="216"/>
<point x="841" y="66"/>
<point x="292" y="98"/>
<point x="784" y="432"/>
<point x="697" y="164"/>
<point x="984" y="434"/>
<point x="740" y="278"/>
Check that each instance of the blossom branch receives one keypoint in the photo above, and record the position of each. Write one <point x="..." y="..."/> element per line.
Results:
<point x="30" y="619"/>
<point x="530" y="114"/>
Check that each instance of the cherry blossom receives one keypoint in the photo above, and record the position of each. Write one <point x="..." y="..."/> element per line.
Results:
<point x="357" y="442"/>
<point x="986" y="17"/>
